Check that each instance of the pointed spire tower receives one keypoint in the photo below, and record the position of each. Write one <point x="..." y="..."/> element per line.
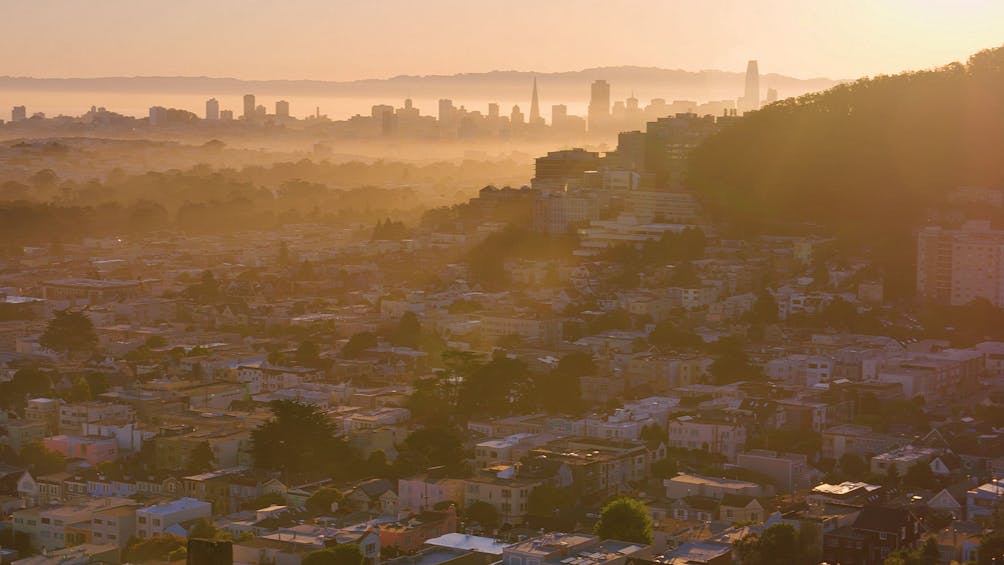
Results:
<point x="534" y="104"/>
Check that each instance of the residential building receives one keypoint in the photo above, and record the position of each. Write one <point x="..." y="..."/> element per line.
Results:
<point x="723" y="438"/>
<point x="155" y="520"/>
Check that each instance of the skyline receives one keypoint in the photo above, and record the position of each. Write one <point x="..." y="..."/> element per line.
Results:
<point x="342" y="41"/>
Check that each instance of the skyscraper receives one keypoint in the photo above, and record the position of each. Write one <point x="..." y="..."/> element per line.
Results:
<point x="493" y="110"/>
<point x="212" y="109"/>
<point x="599" y="105"/>
<point x="18" y="114"/>
<point x="559" y="113"/>
<point x="282" y="109"/>
<point x="751" y="98"/>
<point x="535" y="105"/>
<point x="771" y="95"/>
<point x="249" y="106"/>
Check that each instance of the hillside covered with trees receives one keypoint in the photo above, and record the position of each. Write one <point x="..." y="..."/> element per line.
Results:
<point x="866" y="161"/>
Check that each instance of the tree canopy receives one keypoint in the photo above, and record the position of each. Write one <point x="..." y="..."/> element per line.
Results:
<point x="625" y="519"/>
<point x="70" y="331"/>
<point x="300" y="438"/>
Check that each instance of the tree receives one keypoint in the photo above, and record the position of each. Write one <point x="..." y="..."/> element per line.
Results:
<point x="308" y="354"/>
<point x="157" y="548"/>
<point x="203" y="528"/>
<point x="653" y="435"/>
<point x="408" y="332"/>
<point x="667" y="334"/>
<point x="559" y="392"/>
<point x="359" y="343"/>
<point x="920" y="476"/>
<point x="201" y="459"/>
<point x="80" y="391"/>
<point x="41" y="461"/>
<point x="342" y="554"/>
<point x="991" y="548"/>
<point x="266" y="500"/>
<point x="853" y="465"/>
<point x="70" y="332"/>
<point x="547" y="502"/>
<point x="431" y="447"/>
<point x="625" y="519"/>
<point x="926" y="554"/>
<point x="484" y="514"/>
<point x="320" y="502"/>
<point x="298" y="438"/>
<point x="779" y="545"/>
<point x="97" y="383"/>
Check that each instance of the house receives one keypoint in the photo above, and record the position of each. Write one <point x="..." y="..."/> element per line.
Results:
<point x="423" y="492"/>
<point x="877" y="532"/>
<point x="983" y="501"/>
<point x="375" y="495"/>
<point x="714" y="436"/>
<point x="410" y="534"/>
<point x="684" y="485"/>
<point x="788" y="471"/>
<point x="582" y="549"/>
<point x="737" y="508"/>
<point x="694" y="553"/>
<point x="952" y="500"/>
<point x="694" y="509"/>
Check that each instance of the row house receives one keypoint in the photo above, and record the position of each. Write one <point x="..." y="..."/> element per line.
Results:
<point x="723" y="438"/>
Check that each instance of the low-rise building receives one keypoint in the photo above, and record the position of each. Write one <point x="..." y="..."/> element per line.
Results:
<point x="155" y="520"/>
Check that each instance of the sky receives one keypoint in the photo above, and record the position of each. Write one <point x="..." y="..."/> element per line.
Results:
<point x="357" y="39"/>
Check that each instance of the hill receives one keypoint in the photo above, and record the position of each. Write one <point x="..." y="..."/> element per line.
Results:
<point x="867" y="161"/>
<point x="878" y="152"/>
<point x="504" y="85"/>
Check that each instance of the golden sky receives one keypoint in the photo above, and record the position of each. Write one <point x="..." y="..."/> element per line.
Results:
<point x="353" y="39"/>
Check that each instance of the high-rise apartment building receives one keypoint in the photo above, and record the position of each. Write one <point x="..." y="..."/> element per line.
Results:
<point x="212" y="109"/>
<point x="249" y="107"/>
<point x="958" y="266"/>
<point x="282" y="109"/>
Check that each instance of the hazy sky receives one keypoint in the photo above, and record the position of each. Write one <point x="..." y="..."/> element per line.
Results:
<point x="350" y="39"/>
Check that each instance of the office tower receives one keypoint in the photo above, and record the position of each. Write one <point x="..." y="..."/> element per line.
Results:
<point x="249" y="106"/>
<point x="599" y="105"/>
<point x="751" y="98"/>
<point x="380" y="110"/>
<point x="535" y="105"/>
<point x="447" y="111"/>
<point x="516" y="117"/>
<point x="493" y="110"/>
<point x="632" y="103"/>
<point x="771" y="95"/>
<point x="212" y="109"/>
<point x="227" y="115"/>
<point x="282" y="109"/>
<point x="559" y="113"/>
<point x="18" y="114"/>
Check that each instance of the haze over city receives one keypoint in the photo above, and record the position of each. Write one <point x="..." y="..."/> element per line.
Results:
<point x="338" y="282"/>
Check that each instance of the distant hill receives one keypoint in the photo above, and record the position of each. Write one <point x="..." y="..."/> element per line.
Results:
<point x="869" y="160"/>
<point x="647" y="82"/>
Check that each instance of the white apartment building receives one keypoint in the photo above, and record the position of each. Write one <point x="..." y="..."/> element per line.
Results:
<point x="958" y="266"/>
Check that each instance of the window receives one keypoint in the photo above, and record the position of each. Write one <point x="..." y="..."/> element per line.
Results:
<point x="142" y="519"/>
